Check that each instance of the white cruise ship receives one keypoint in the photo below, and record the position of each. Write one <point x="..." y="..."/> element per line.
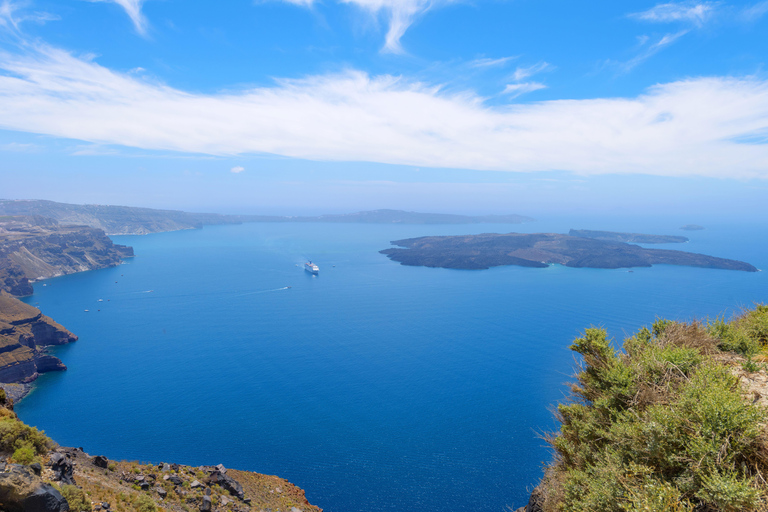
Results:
<point x="311" y="268"/>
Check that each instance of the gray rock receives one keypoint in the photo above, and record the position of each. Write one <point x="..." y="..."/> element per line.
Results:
<point x="161" y="492"/>
<point x="63" y="469"/>
<point x="166" y="468"/>
<point x="195" y="484"/>
<point x="175" y="480"/>
<point x="100" y="461"/>
<point x="535" y="503"/>
<point x="45" y="499"/>
<point x="205" y="506"/>
<point x="228" y="483"/>
<point x="23" y="491"/>
<point x="36" y="468"/>
<point x="221" y="469"/>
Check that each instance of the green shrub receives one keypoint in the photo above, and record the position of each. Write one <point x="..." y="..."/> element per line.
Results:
<point x="144" y="503"/>
<point x="729" y="492"/>
<point x="13" y="431"/>
<point x="661" y="426"/>
<point x="76" y="498"/>
<point x="24" y="454"/>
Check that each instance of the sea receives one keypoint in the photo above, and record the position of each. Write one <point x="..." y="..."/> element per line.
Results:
<point x="373" y="386"/>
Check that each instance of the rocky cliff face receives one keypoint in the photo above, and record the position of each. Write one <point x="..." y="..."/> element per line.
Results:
<point x="24" y="335"/>
<point x="34" y="247"/>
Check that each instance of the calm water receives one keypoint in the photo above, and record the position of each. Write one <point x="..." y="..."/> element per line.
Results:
<point x="374" y="386"/>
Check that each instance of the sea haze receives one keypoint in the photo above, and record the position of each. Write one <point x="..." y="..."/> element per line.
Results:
<point x="373" y="386"/>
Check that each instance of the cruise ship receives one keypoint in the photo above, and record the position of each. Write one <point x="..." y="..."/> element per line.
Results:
<point x="311" y="268"/>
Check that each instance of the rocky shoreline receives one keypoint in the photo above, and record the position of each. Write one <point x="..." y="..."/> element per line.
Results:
<point x="16" y="391"/>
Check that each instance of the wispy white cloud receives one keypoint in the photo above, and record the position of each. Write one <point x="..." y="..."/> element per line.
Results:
<point x="237" y="169"/>
<point x="133" y="10"/>
<point x="401" y="14"/>
<point x="486" y="62"/>
<point x="357" y="117"/>
<point x="697" y="13"/>
<point x="516" y="90"/>
<point x="521" y="73"/>
<point x="649" y="50"/>
<point x="11" y="15"/>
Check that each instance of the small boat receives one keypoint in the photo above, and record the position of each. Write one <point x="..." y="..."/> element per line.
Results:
<point x="311" y="268"/>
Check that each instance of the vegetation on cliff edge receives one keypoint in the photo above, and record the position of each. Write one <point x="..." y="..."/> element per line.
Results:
<point x="674" y="422"/>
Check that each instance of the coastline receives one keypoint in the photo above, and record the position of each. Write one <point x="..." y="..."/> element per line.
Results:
<point x="16" y="391"/>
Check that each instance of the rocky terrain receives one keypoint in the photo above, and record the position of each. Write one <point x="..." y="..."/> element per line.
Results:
<point x="473" y="252"/>
<point x="35" y="247"/>
<point x="24" y="335"/>
<point x="630" y="238"/>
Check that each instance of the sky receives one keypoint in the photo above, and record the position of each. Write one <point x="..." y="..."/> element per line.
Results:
<point x="299" y="106"/>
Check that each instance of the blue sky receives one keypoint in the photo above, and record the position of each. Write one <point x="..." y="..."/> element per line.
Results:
<point x="324" y="105"/>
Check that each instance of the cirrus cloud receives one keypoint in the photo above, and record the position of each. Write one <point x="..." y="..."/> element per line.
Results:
<point x="697" y="13"/>
<point x="697" y="126"/>
<point x="133" y="10"/>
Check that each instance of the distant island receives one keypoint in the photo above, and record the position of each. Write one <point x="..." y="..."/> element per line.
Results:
<point x="128" y="220"/>
<point x="630" y="238"/>
<point x="692" y="227"/>
<point x="474" y="252"/>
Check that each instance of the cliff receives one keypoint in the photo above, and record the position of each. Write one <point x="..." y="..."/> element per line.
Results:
<point x="35" y="247"/>
<point x="475" y="252"/>
<point x="24" y="334"/>
<point x="676" y="421"/>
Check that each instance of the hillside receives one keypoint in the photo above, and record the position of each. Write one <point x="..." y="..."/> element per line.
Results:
<point x="115" y="220"/>
<point x="676" y="421"/>
<point x="476" y="252"/>
<point x="34" y="247"/>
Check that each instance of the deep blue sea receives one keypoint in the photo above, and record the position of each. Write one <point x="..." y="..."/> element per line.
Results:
<point x="373" y="386"/>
